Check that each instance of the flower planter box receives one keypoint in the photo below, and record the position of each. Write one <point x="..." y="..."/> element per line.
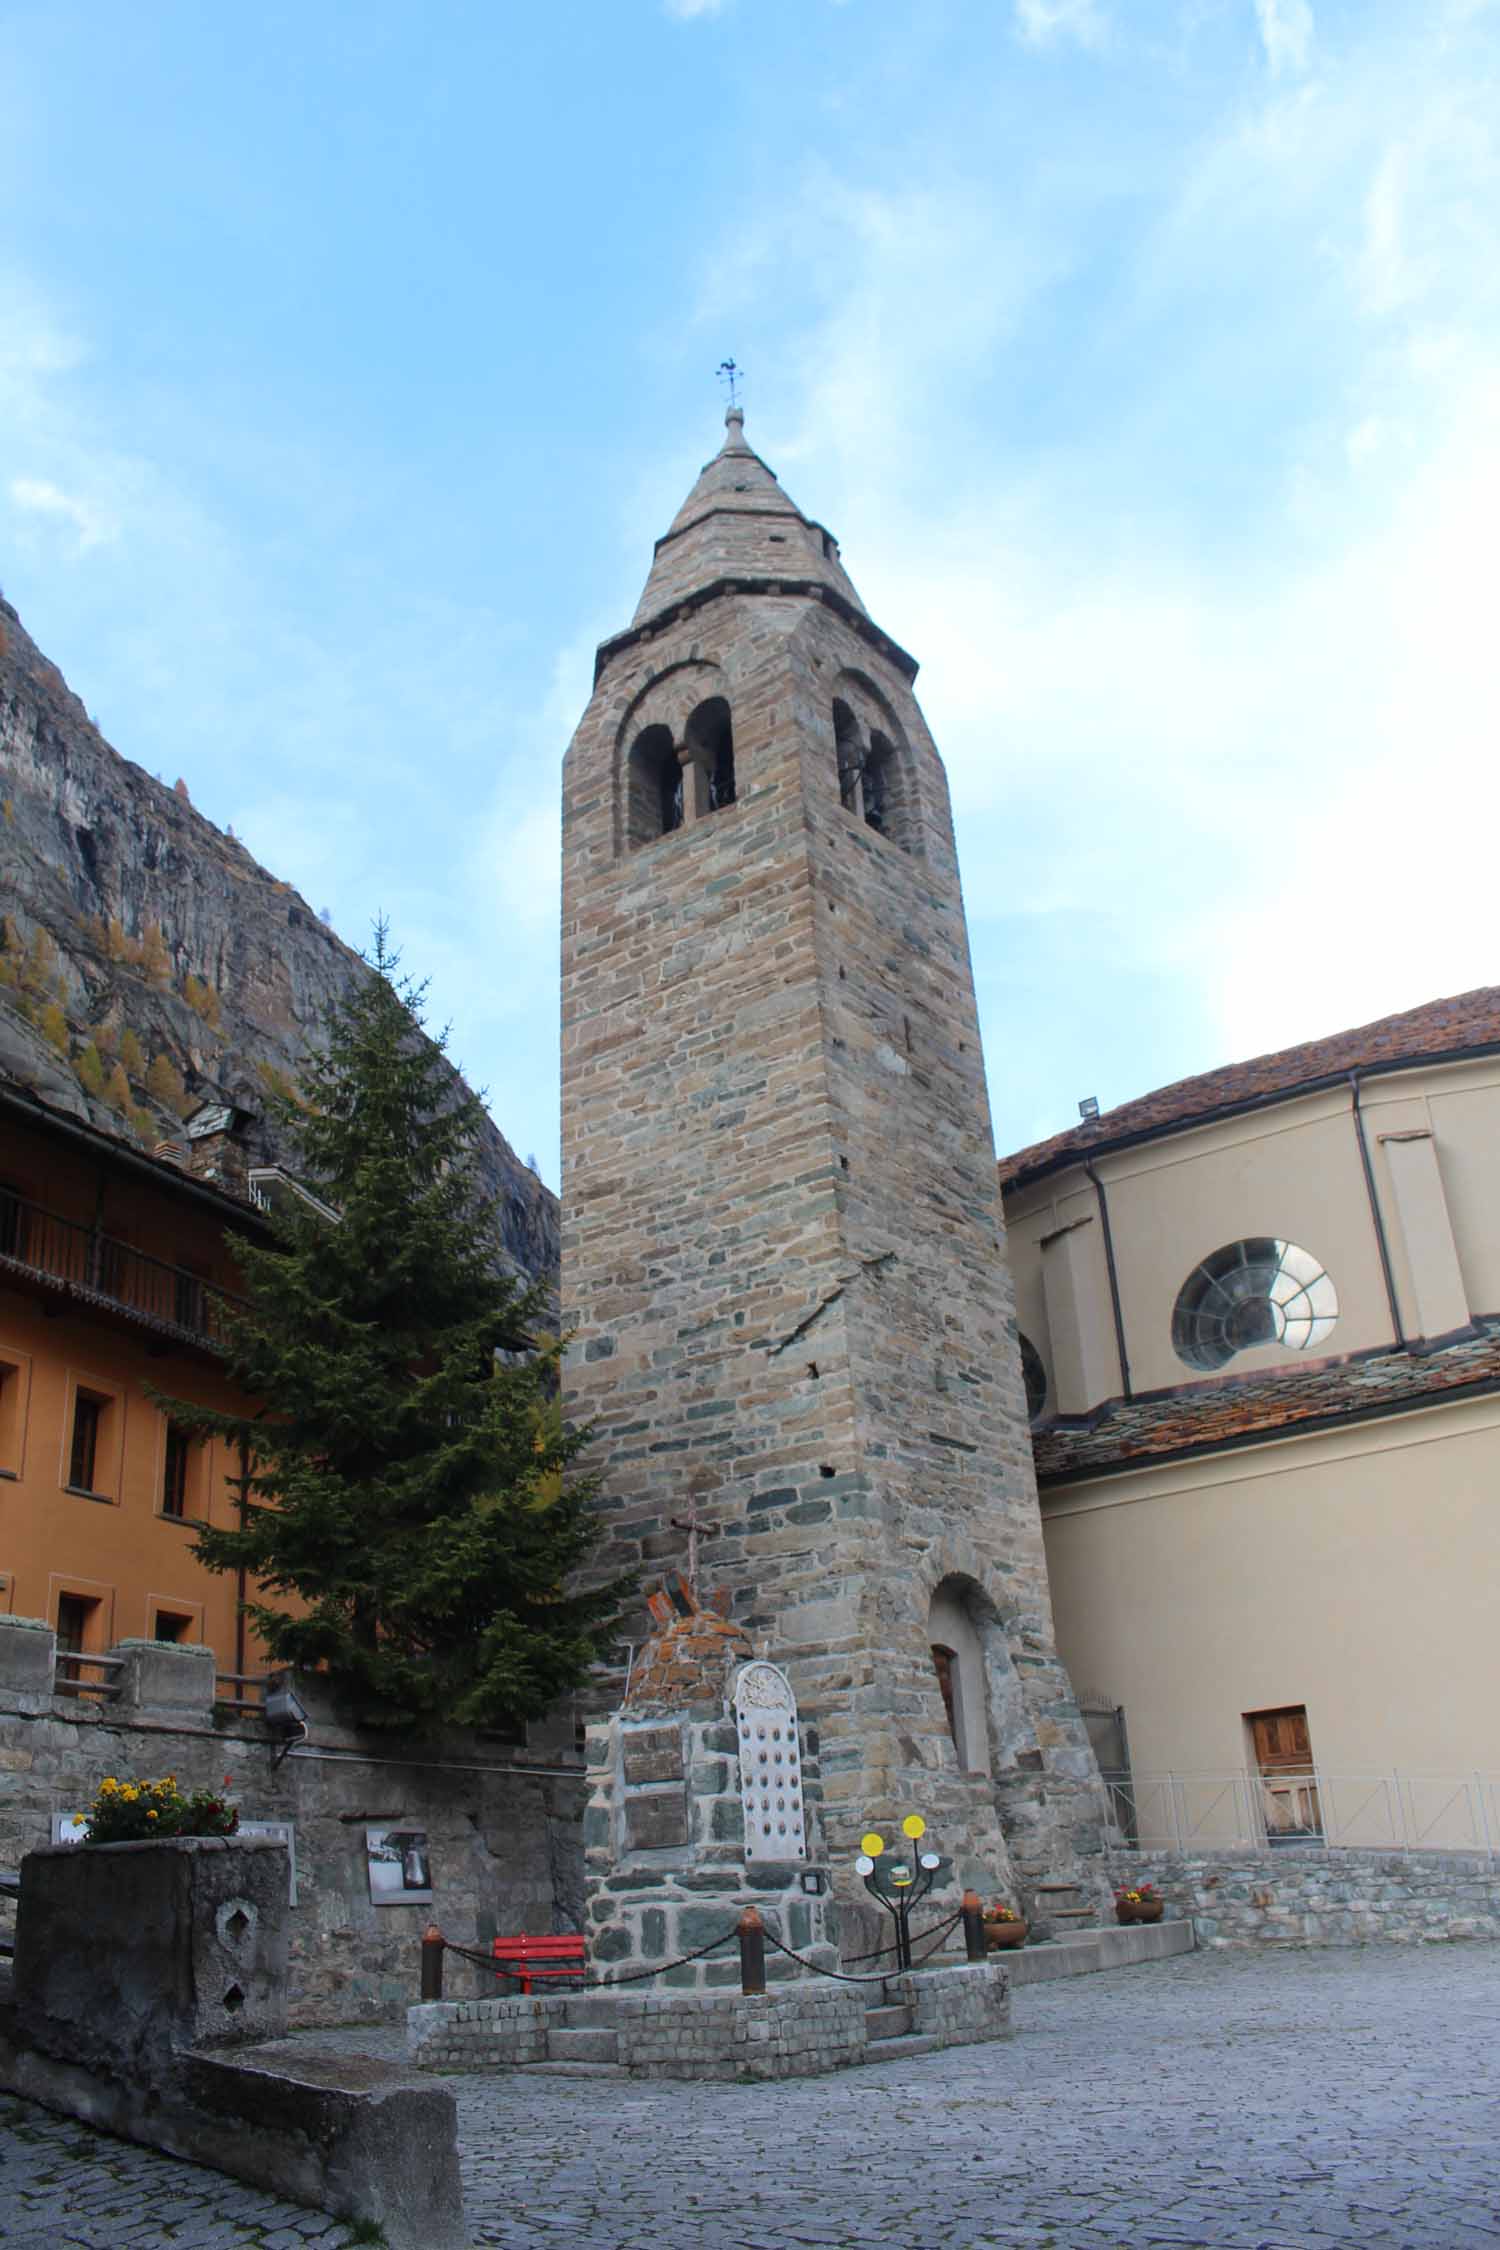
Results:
<point x="1140" y="1910"/>
<point x="998" y="1936"/>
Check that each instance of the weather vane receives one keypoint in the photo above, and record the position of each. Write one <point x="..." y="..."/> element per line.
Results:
<point x="732" y="376"/>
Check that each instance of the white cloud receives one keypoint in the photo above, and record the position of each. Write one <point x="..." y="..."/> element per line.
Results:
<point x="1286" y="33"/>
<point x="36" y="496"/>
<point x="1040" y="22"/>
<point x="1251" y="753"/>
<point x="686" y="10"/>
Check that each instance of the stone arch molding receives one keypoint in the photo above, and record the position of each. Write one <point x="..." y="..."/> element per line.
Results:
<point x="994" y="1730"/>
<point x="669" y="702"/>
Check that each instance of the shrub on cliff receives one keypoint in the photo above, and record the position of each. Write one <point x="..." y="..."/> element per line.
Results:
<point x="409" y="1484"/>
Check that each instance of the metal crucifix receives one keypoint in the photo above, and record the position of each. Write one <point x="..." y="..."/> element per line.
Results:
<point x="691" y="1525"/>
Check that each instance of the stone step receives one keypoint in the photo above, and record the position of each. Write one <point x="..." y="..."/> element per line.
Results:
<point x="582" y="2043"/>
<point x="1074" y="1913"/>
<point x="1050" y="1890"/>
<point x="580" y="2069"/>
<point x="901" y="2050"/>
<point x="891" y="2022"/>
<point x="586" y="2011"/>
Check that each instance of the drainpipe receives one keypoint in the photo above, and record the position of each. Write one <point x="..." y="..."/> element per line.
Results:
<point x="1379" y="1223"/>
<point x="1114" y="1278"/>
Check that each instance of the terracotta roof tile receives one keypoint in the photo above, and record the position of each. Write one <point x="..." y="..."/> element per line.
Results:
<point x="1439" y="1027"/>
<point x="1232" y="1410"/>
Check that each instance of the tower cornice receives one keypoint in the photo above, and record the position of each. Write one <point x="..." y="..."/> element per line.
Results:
<point x="719" y="589"/>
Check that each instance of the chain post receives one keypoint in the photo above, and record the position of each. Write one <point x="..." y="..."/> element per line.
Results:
<point x="751" y="1932"/>
<point x="973" y="1914"/>
<point x="432" y="1962"/>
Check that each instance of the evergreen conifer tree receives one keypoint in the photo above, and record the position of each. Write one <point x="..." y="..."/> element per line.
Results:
<point x="408" y="1473"/>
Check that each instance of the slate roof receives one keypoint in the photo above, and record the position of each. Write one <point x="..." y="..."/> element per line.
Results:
<point x="1245" y="1410"/>
<point x="1468" y="1022"/>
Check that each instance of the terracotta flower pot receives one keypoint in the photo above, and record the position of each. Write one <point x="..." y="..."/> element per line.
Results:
<point x="998" y="1935"/>
<point x="1139" y="1910"/>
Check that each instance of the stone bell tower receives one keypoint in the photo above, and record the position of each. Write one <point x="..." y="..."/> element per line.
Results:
<point x="783" y="1262"/>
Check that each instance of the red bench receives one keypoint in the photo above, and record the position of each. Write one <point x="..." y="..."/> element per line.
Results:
<point x="527" y="1958"/>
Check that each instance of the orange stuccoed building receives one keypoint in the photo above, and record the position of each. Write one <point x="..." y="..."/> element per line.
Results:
<point x="116" y="1272"/>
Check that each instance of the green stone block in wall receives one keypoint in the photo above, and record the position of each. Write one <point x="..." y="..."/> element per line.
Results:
<point x="697" y="1924"/>
<point x="727" y="1825"/>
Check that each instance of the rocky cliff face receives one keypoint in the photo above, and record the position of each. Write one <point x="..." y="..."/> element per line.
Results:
<point x="148" y="962"/>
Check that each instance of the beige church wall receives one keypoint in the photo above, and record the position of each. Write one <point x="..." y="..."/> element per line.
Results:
<point x="1352" y="1573"/>
<point x="1292" y="1172"/>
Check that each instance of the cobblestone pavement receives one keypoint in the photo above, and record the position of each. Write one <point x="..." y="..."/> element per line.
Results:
<point x="1265" y="2101"/>
<point x="65" y="2187"/>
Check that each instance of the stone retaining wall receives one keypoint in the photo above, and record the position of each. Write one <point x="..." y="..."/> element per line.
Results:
<point x="958" y="2005"/>
<point x="505" y="1844"/>
<point x="1300" y="1897"/>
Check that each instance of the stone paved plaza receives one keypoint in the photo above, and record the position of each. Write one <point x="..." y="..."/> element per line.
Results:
<point x="1250" y="2101"/>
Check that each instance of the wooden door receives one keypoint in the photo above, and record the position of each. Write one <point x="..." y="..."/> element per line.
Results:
<point x="1283" y="1756"/>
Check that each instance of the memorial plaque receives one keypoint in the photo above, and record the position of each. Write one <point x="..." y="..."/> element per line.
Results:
<point x="656" y="1820"/>
<point x="765" y="1716"/>
<point x="651" y="1754"/>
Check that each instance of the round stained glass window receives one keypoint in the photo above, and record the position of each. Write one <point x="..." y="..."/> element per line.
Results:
<point x="1261" y="1291"/>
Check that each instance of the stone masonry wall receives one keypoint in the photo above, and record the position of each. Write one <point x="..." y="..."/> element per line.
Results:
<point x="505" y="1845"/>
<point x="795" y="2033"/>
<point x="1293" y="1897"/>
<point x="782" y="1244"/>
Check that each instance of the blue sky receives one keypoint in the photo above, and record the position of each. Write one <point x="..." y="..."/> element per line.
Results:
<point x="1145" y="359"/>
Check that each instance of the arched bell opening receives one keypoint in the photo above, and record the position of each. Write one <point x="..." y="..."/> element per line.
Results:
<point x="654" y="792"/>
<point x="709" y="741"/>
<point x="850" y="755"/>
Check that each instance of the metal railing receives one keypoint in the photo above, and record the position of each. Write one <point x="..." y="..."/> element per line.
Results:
<point x="96" y="1269"/>
<point x="66" y="1682"/>
<point x="240" y="1691"/>
<point x="1318" y="1810"/>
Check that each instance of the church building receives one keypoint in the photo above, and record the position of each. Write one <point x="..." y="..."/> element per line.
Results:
<point x="1260" y="1316"/>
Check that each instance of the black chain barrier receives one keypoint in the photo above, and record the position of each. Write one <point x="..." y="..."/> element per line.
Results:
<point x="881" y="1976"/>
<point x="496" y="1964"/>
<point x="940" y="1929"/>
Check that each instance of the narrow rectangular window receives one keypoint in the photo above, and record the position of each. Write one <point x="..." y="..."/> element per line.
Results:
<point x="171" y="1625"/>
<point x="10" y="1418"/>
<point x="187" y="1301"/>
<point x="174" y="1484"/>
<point x="12" y="1222"/>
<point x="88" y="1414"/>
<point x="73" y="1614"/>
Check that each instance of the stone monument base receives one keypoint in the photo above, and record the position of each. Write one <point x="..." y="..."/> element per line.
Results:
<point x="799" y="2030"/>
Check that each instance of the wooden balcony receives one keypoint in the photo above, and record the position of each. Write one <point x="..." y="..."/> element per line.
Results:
<point x="89" y="1268"/>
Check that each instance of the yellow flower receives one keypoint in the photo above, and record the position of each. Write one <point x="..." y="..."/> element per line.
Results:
<point x="153" y="1816"/>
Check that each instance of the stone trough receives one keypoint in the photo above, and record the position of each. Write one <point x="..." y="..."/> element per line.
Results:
<point x="149" y="1998"/>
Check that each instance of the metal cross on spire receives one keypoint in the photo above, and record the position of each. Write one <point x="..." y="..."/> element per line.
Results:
<point x="731" y="376"/>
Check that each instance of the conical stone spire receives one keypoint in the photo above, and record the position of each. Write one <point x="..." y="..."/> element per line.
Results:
<point x="738" y="525"/>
